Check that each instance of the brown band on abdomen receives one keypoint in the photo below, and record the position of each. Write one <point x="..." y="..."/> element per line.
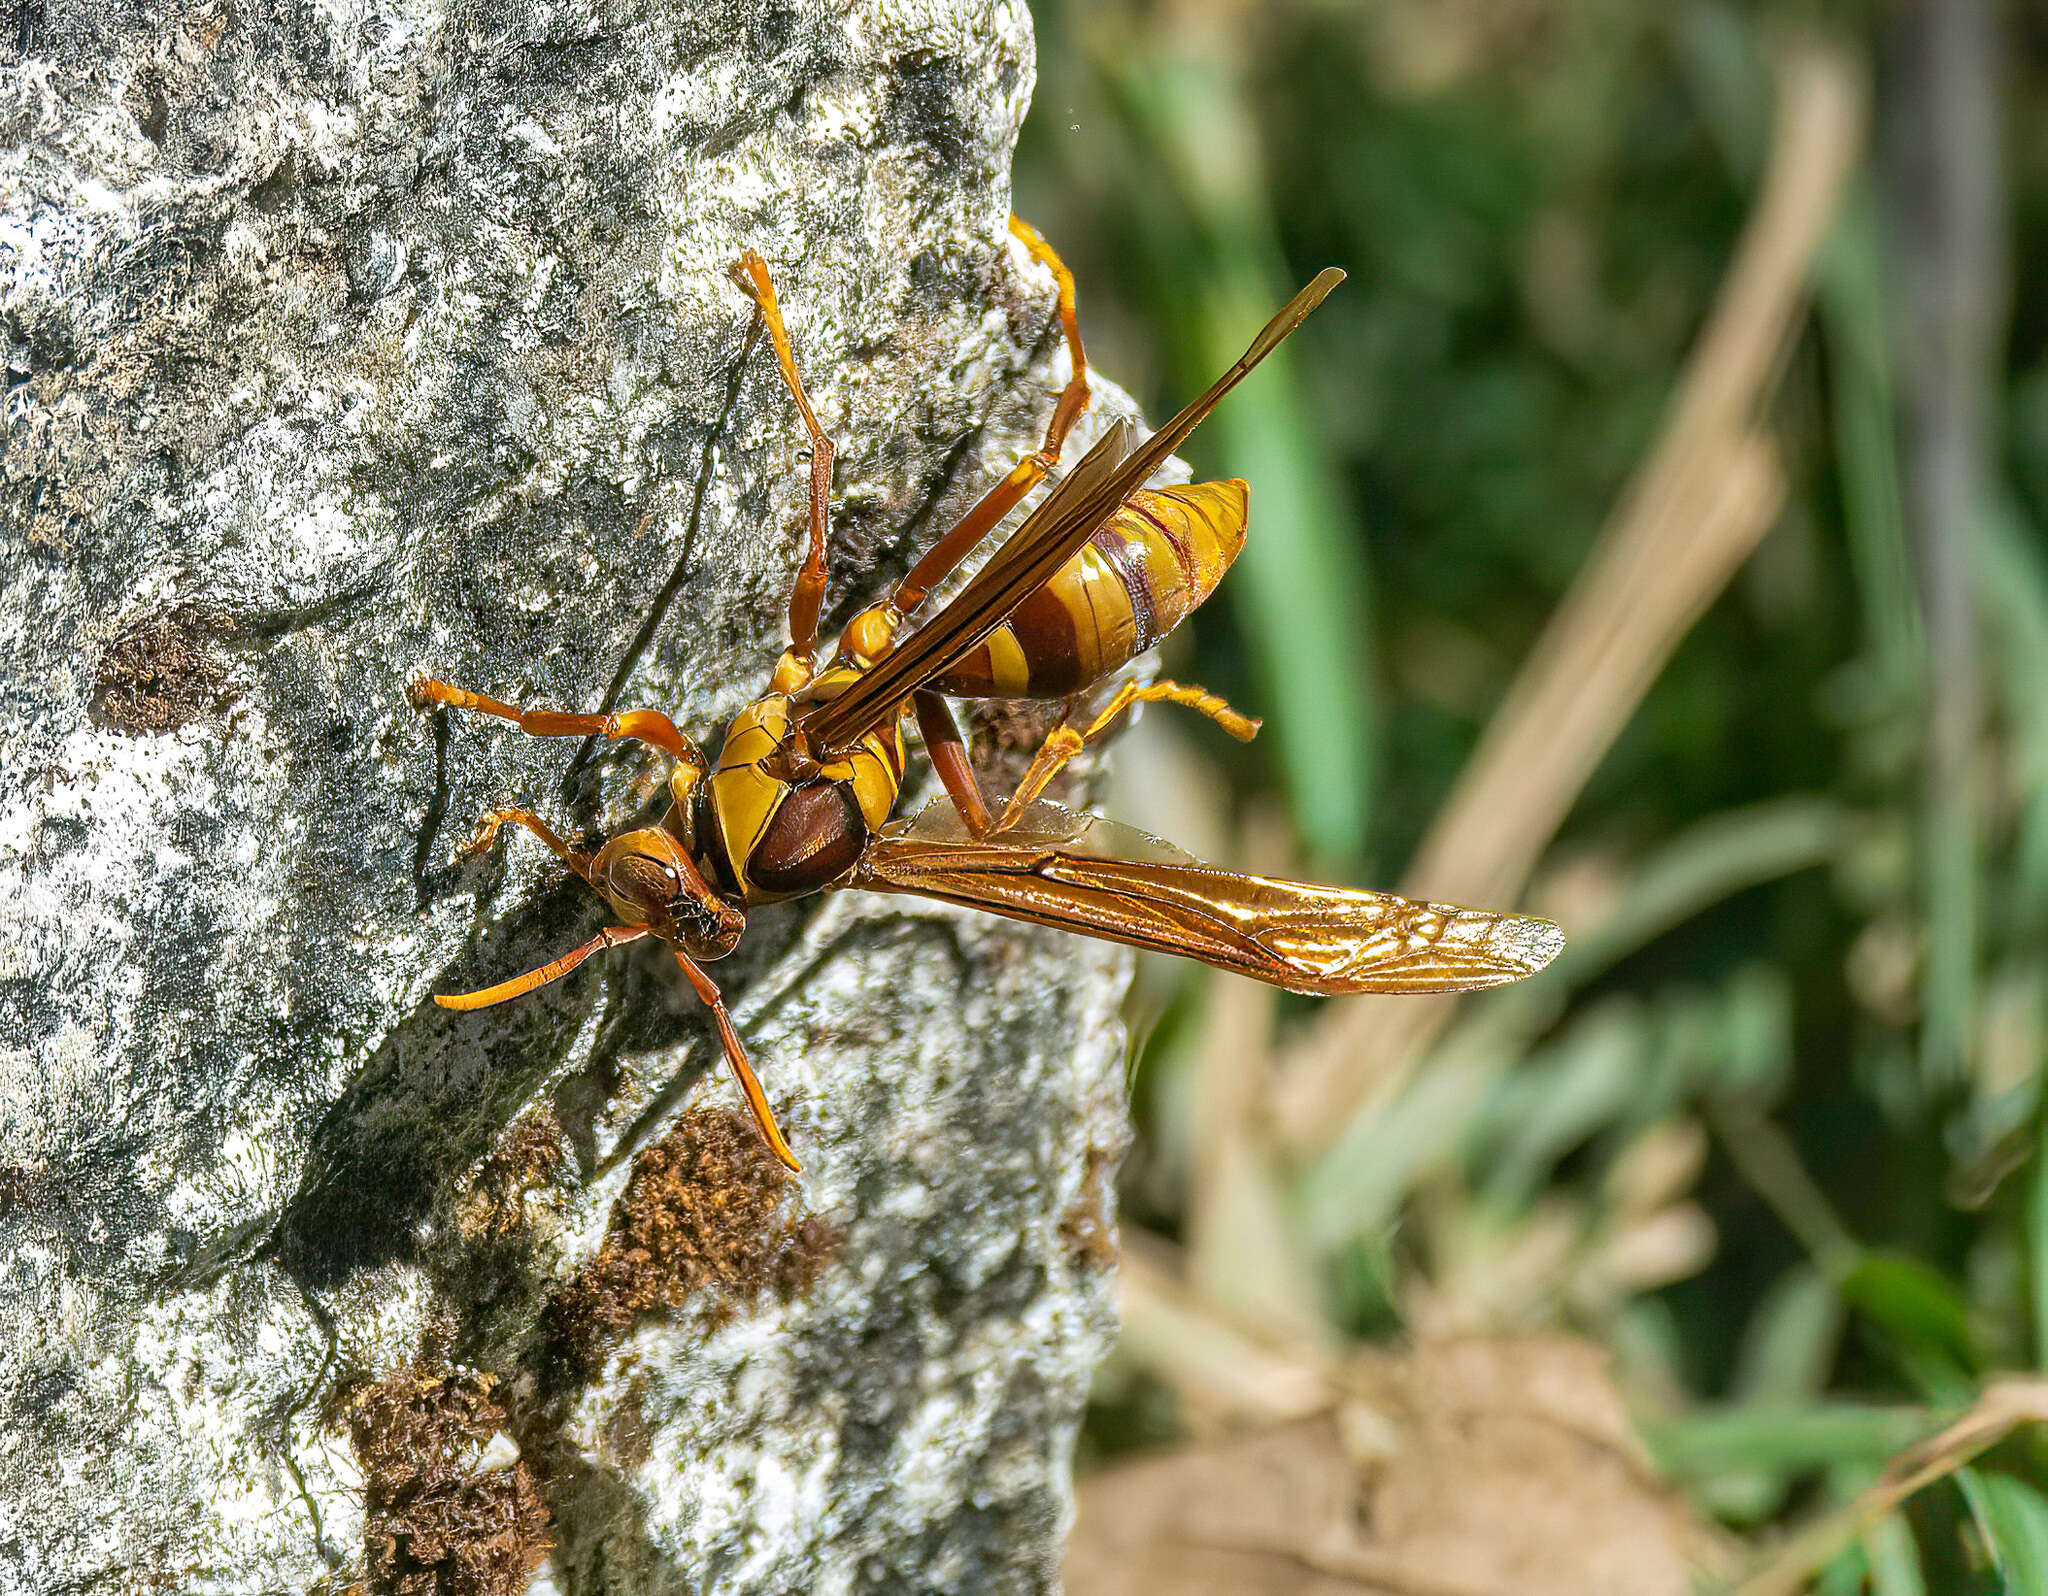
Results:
<point x="1047" y="632"/>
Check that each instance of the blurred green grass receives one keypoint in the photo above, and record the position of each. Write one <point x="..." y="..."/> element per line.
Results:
<point x="1810" y="959"/>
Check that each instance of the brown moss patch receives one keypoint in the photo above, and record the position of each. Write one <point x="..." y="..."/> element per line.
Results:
<point x="705" y="1218"/>
<point x="528" y="1156"/>
<point x="160" y="672"/>
<point x="18" y="1184"/>
<point x="436" y="1523"/>
<point x="1088" y="1228"/>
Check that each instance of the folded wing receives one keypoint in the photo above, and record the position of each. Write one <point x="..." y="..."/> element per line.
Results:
<point x="1079" y="503"/>
<point x="1048" y="538"/>
<point x="1086" y="874"/>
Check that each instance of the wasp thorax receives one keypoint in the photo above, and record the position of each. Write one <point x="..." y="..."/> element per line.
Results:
<point x="650" y="881"/>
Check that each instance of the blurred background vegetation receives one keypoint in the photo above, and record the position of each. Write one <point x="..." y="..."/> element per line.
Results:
<point x="1653" y="532"/>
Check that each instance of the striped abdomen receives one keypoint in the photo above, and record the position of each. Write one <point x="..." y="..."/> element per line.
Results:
<point x="1159" y="556"/>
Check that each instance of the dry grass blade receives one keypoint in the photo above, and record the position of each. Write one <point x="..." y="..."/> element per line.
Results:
<point x="1244" y="1256"/>
<point x="1699" y="504"/>
<point x="1677" y="544"/>
<point x="2003" y="1408"/>
<point x="1477" y="1466"/>
<point x="1221" y="1372"/>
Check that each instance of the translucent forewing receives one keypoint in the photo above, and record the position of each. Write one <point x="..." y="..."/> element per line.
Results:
<point x="1085" y="874"/>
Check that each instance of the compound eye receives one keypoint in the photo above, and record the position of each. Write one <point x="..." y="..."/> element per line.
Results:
<point x="638" y="873"/>
<point x="651" y="882"/>
<point x="644" y="878"/>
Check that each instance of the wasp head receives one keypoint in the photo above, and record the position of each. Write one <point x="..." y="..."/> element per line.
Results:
<point x="650" y="881"/>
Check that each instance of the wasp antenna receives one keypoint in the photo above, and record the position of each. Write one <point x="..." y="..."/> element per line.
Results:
<point x="610" y="937"/>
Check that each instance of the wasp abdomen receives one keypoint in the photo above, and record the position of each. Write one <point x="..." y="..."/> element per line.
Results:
<point x="1161" y="554"/>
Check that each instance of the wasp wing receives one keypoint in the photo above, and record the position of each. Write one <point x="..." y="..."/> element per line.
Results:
<point x="1082" y="873"/>
<point x="1047" y="538"/>
<point x="1050" y="536"/>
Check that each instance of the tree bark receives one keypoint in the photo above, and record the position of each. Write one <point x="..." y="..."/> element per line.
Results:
<point x="350" y="342"/>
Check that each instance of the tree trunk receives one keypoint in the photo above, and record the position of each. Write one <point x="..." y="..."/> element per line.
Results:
<point x="349" y="343"/>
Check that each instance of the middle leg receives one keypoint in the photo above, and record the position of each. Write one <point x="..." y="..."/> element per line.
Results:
<point x="807" y="596"/>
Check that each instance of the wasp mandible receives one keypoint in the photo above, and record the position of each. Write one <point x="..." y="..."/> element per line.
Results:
<point x="800" y="796"/>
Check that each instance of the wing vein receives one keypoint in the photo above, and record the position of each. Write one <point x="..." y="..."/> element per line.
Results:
<point x="1062" y="869"/>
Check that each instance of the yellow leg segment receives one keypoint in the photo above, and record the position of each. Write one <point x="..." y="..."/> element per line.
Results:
<point x="1066" y="740"/>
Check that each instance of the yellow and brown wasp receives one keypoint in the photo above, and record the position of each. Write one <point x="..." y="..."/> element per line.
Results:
<point x="800" y="796"/>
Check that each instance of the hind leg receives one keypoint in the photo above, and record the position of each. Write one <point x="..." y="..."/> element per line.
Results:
<point x="1067" y="740"/>
<point x="947" y="750"/>
<point x="944" y="556"/>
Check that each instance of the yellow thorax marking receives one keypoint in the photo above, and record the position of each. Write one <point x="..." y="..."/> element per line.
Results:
<point x="746" y="797"/>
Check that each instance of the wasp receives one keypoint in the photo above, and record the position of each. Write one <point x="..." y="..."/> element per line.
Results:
<point x="800" y="797"/>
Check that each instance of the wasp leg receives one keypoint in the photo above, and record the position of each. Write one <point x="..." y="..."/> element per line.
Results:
<point x="1066" y="741"/>
<point x="736" y="1056"/>
<point x="947" y="750"/>
<point x="648" y="726"/>
<point x="940" y="560"/>
<point x="807" y="596"/>
<point x="487" y="831"/>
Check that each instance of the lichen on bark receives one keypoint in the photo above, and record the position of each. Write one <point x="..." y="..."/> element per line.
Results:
<point x="349" y="340"/>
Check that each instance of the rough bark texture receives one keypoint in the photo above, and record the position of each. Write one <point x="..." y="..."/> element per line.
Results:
<point x="347" y="340"/>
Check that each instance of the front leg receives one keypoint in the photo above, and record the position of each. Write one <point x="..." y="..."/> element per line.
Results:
<point x="736" y="1057"/>
<point x="648" y="726"/>
<point x="487" y="831"/>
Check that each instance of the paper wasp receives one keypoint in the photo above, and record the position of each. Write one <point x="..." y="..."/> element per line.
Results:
<point x="800" y="796"/>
